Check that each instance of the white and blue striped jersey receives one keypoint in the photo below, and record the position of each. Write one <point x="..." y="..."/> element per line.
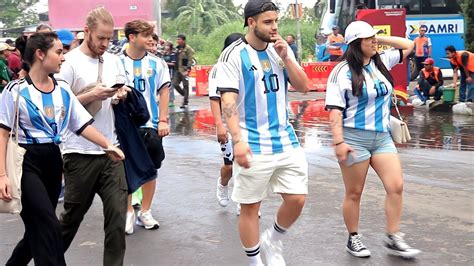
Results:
<point x="371" y="109"/>
<point x="43" y="117"/>
<point x="261" y="81"/>
<point x="212" y="82"/>
<point x="147" y="75"/>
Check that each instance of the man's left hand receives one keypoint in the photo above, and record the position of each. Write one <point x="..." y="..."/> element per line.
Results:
<point x="163" y="129"/>
<point x="122" y="93"/>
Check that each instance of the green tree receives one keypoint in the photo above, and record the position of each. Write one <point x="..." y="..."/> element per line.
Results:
<point x="202" y="16"/>
<point x="14" y="13"/>
<point x="468" y="9"/>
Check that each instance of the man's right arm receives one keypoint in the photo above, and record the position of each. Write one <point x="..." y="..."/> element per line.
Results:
<point x="216" y="112"/>
<point x="231" y="114"/>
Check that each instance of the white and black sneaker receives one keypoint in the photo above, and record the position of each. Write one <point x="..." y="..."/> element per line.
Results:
<point x="356" y="248"/>
<point x="396" y="245"/>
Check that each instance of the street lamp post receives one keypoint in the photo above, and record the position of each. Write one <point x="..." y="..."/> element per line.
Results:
<point x="298" y="32"/>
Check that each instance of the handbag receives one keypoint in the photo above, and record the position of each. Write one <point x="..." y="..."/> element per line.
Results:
<point x="94" y="106"/>
<point x="14" y="166"/>
<point x="398" y="128"/>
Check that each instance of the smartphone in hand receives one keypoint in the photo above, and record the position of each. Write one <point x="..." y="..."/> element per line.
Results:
<point x="117" y="85"/>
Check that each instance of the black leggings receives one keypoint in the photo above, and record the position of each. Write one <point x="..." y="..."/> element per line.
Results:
<point x="40" y="185"/>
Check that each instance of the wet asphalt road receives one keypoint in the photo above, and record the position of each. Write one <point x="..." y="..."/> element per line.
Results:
<point x="438" y="206"/>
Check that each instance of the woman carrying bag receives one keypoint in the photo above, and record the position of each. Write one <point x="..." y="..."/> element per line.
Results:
<point x="359" y="95"/>
<point x="46" y="109"/>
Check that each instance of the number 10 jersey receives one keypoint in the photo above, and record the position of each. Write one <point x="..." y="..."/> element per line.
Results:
<point x="261" y="82"/>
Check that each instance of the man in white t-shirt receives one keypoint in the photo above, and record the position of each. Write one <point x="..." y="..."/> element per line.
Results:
<point x="92" y="74"/>
<point x="267" y="156"/>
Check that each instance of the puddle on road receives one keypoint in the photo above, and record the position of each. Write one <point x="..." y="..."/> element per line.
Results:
<point x="429" y="130"/>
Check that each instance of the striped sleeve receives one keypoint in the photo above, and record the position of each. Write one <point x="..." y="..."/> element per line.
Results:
<point x="7" y="101"/>
<point x="338" y="83"/>
<point x="213" y="93"/>
<point x="228" y="77"/>
<point x="391" y="57"/>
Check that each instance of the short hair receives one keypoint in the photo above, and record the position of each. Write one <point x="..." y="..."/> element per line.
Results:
<point x="170" y="44"/>
<point x="292" y="36"/>
<point x="99" y="14"/>
<point x="181" y="36"/>
<point x="450" y="48"/>
<point x="43" y="27"/>
<point x="138" y="26"/>
<point x="155" y="37"/>
<point x="40" y="40"/>
<point x="424" y="27"/>
<point x="232" y="38"/>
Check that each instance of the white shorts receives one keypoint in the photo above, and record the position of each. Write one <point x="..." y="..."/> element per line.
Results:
<point x="285" y="173"/>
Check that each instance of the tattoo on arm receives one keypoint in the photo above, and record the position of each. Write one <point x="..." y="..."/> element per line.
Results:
<point x="229" y="110"/>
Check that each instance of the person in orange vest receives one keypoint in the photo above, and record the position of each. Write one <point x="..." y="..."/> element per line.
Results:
<point x="335" y="40"/>
<point x="430" y="81"/>
<point x="422" y="47"/>
<point x="463" y="61"/>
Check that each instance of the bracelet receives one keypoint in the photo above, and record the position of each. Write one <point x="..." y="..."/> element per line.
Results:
<point x="163" y="120"/>
<point x="338" y="143"/>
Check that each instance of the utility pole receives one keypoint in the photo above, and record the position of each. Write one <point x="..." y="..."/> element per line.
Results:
<point x="298" y="32"/>
<point x="157" y="15"/>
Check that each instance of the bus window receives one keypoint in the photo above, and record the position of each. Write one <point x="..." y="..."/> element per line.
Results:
<point x="417" y="7"/>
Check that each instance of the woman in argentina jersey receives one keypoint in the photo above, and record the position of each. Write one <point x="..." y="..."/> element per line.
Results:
<point x="47" y="108"/>
<point x="359" y="95"/>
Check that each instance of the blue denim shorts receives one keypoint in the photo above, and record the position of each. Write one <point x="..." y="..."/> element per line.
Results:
<point x="367" y="143"/>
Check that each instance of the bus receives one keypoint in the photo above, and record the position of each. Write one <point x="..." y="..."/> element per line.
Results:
<point x="443" y="18"/>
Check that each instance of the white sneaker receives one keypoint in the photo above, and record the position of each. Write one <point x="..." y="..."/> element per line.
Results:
<point x="129" y="222"/>
<point x="272" y="250"/>
<point x="222" y="194"/>
<point x="396" y="245"/>
<point x="238" y="211"/>
<point x="146" y="220"/>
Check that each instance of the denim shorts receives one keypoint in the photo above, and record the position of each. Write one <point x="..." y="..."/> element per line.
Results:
<point x="367" y="143"/>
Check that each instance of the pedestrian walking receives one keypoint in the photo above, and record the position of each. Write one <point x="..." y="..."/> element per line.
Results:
<point x="253" y="83"/>
<point x="185" y="57"/>
<point x="47" y="109"/>
<point x="97" y="78"/>
<point x="359" y="96"/>
<point x="149" y="75"/>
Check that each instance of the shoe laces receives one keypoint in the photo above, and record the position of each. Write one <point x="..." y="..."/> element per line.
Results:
<point x="398" y="240"/>
<point x="146" y="216"/>
<point x="356" y="243"/>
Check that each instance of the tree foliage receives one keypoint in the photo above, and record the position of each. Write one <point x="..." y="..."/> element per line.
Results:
<point x="15" y="13"/>
<point x="468" y="8"/>
<point x="203" y="16"/>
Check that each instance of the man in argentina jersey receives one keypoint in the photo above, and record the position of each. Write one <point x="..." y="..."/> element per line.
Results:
<point x="252" y="80"/>
<point x="148" y="74"/>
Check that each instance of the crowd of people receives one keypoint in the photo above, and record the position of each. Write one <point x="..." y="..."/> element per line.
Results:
<point x="69" y="91"/>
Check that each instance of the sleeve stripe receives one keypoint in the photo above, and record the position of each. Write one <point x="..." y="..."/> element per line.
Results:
<point x="5" y="127"/>
<point x="227" y="90"/>
<point x="401" y="56"/>
<point x="228" y="51"/>
<point x="78" y="132"/>
<point x="330" y="107"/>
<point x="164" y="85"/>
<point x="336" y="71"/>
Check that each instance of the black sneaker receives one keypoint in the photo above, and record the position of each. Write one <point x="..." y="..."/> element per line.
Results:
<point x="396" y="245"/>
<point x="356" y="248"/>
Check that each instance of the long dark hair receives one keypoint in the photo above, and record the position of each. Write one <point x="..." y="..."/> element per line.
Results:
<point x="42" y="40"/>
<point x="355" y="60"/>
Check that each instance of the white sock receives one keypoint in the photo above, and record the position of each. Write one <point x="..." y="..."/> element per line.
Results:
<point x="277" y="232"/>
<point x="253" y="254"/>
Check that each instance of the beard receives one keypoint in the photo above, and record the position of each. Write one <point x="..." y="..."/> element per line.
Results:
<point x="93" y="47"/>
<point x="262" y="36"/>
